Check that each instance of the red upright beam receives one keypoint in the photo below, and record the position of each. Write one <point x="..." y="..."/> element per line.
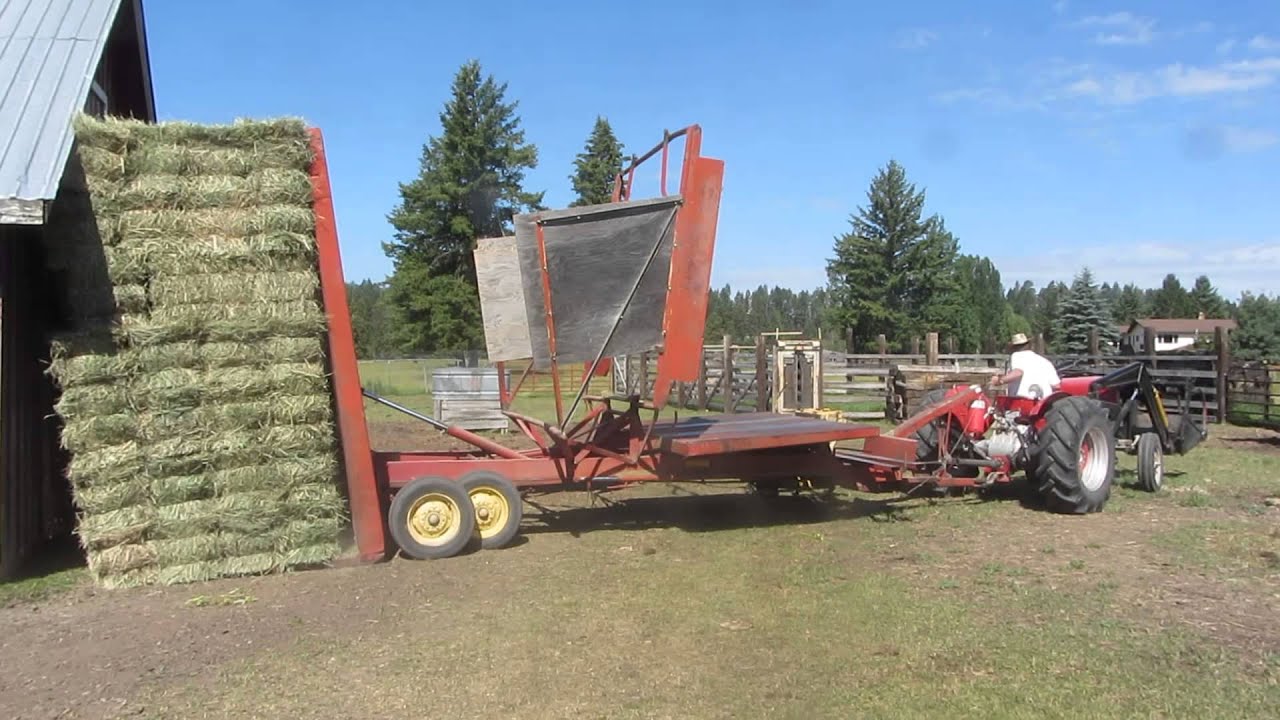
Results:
<point x="357" y="455"/>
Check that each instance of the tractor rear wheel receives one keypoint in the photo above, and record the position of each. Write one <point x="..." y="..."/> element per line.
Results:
<point x="928" y="438"/>
<point x="1150" y="462"/>
<point x="1075" y="457"/>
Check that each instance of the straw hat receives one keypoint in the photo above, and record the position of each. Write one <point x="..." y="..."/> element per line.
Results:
<point x="1017" y="340"/>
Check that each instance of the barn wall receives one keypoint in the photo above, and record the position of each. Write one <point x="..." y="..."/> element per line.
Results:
<point x="35" y="500"/>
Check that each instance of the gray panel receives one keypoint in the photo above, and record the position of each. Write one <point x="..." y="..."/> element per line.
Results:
<point x="49" y="50"/>
<point x="595" y="255"/>
<point x="506" y="325"/>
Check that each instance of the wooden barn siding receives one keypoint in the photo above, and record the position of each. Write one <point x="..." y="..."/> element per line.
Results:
<point x="35" y="502"/>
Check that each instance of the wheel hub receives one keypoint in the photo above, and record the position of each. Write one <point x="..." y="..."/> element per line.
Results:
<point x="433" y="519"/>
<point x="491" y="510"/>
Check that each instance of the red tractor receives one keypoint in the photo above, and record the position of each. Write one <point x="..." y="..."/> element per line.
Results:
<point x="1065" y="442"/>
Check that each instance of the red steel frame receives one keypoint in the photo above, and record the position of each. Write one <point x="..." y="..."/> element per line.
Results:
<point x="609" y="447"/>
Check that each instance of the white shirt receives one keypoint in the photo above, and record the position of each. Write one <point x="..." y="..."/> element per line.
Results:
<point x="1039" y="376"/>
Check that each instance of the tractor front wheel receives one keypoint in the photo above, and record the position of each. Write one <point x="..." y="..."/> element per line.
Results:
<point x="929" y="437"/>
<point x="1150" y="462"/>
<point x="1075" y="457"/>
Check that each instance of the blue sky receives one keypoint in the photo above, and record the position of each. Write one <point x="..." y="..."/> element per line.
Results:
<point x="1139" y="138"/>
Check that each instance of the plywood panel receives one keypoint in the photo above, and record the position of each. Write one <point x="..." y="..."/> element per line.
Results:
<point x="502" y="301"/>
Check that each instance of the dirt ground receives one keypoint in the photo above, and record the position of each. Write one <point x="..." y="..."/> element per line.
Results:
<point x="554" y="627"/>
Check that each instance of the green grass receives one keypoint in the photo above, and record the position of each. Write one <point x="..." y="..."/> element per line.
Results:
<point x="41" y="587"/>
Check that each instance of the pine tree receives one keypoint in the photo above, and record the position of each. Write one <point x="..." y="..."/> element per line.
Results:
<point x="1172" y="300"/>
<point x="369" y="318"/>
<point x="1045" y="318"/>
<point x="596" y="166"/>
<point x="893" y="273"/>
<point x="1205" y="299"/>
<point x="1081" y="311"/>
<point x="1258" y="336"/>
<point x="1129" y="305"/>
<point x="469" y="186"/>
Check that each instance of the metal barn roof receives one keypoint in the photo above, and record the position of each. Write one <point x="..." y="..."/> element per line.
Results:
<point x="49" y="50"/>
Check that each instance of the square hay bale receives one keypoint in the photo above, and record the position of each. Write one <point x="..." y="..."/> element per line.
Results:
<point x="194" y="397"/>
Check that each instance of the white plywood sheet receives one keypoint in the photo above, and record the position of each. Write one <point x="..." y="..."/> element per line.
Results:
<point x="502" y="304"/>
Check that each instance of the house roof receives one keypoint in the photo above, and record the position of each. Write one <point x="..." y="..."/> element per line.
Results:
<point x="49" y="51"/>
<point x="1183" y="326"/>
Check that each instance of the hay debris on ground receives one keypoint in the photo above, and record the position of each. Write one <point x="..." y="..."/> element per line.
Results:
<point x="194" y="398"/>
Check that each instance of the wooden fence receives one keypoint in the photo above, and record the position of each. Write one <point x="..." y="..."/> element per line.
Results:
<point x="1253" y="394"/>
<point x="739" y="378"/>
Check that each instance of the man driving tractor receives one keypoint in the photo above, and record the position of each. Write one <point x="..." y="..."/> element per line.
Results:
<point x="1029" y="374"/>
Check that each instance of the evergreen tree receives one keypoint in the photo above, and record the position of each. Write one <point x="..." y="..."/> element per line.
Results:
<point x="893" y="273"/>
<point x="1172" y="300"/>
<point x="1045" y="319"/>
<point x="597" y="166"/>
<point x="1081" y="311"/>
<point x="1258" y="334"/>
<point x="984" y="300"/>
<point x="1129" y="305"/>
<point x="369" y="318"/>
<point x="469" y="186"/>
<point x="1023" y="300"/>
<point x="1205" y="299"/>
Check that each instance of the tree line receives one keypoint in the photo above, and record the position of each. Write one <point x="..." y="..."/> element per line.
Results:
<point x="897" y="271"/>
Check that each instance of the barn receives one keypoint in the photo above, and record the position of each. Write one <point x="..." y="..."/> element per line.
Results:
<point x="58" y="58"/>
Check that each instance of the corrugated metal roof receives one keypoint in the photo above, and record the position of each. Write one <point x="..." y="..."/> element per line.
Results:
<point x="49" y="50"/>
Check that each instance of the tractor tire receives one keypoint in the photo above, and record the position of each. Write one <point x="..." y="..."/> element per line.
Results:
<point x="927" y="437"/>
<point x="1150" y="462"/>
<point x="1075" y="457"/>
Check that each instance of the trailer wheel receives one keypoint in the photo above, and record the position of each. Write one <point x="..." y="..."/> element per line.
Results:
<point x="432" y="518"/>
<point x="1075" y="457"/>
<point x="927" y="437"/>
<point x="1150" y="462"/>
<point x="498" y="507"/>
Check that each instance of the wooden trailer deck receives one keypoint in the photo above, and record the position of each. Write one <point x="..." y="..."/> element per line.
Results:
<point x="719" y="435"/>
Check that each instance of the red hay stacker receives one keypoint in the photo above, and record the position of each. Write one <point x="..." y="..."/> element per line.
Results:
<point x="586" y="285"/>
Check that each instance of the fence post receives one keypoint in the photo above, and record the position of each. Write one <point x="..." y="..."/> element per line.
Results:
<point x="1223" y="342"/>
<point x="1095" y="345"/>
<point x="1149" y="344"/>
<point x="702" y="380"/>
<point x="915" y="346"/>
<point x="726" y="383"/>
<point x="762" y="375"/>
<point x="1039" y="343"/>
<point x="883" y="344"/>
<point x="931" y="349"/>
<point x="643" y="390"/>
<point x="951" y="344"/>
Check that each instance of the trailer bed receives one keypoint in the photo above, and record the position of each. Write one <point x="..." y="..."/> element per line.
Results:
<point x="722" y="434"/>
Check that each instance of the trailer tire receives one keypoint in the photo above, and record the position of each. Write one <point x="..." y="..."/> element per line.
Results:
<point x="432" y="518"/>
<point x="1150" y="462"/>
<point x="927" y="437"/>
<point x="498" y="507"/>
<point x="1075" y="458"/>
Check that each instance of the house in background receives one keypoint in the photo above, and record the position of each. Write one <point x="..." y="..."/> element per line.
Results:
<point x="58" y="58"/>
<point x="1171" y="334"/>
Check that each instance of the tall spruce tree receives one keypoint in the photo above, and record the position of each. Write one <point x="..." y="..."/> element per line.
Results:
<point x="1258" y="337"/>
<point x="1081" y="311"/>
<point x="1205" y="299"/>
<point x="596" y="166"/>
<point x="470" y="183"/>
<point x="1172" y="299"/>
<point x="1044" y="322"/>
<point x="893" y="273"/>
<point x="1129" y="305"/>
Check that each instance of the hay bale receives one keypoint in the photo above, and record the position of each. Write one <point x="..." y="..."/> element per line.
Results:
<point x="195" y="401"/>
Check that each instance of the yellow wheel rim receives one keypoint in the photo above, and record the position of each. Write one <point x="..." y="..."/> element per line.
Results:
<point x="492" y="510"/>
<point x="434" y="519"/>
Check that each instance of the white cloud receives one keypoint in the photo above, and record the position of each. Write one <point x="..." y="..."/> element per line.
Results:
<point x="916" y="38"/>
<point x="1226" y="46"/>
<point x="1176" y="80"/>
<point x="1247" y="140"/>
<point x="1060" y="7"/>
<point x="1262" y="43"/>
<point x="1120" y="28"/>
<point x="1233" y="268"/>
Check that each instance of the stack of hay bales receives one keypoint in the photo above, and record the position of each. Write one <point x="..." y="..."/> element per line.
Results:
<point x="195" y="401"/>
